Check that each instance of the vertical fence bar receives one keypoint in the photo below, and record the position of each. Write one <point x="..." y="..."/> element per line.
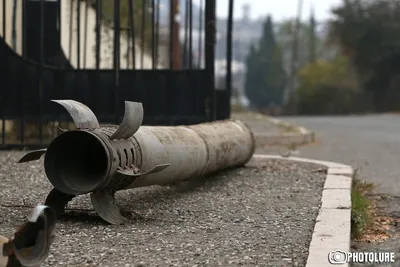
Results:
<point x="177" y="41"/>
<point x="190" y="52"/>
<point x="153" y="39"/>
<point x="4" y="20"/>
<point x="99" y="10"/>
<point x="22" y="103"/>
<point x="171" y="34"/>
<point x="144" y="4"/>
<point x="200" y="47"/>
<point x="185" y="38"/>
<point x="132" y="31"/>
<point x="78" y="34"/>
<point x="24" y="25"/>
<point x="71" y="27"/>
<point x="210" y="28"/>
<point x="14" y="26"/>
<point x="42" y="22"/>
<point x="117" y="33"/>
<point x="128" y="46"/>
<point x="228" y="82"/>
<point x="176" y="55"/>
<point x="85" y="34"/>
<point x="157" y="30"/>
<point x="58" y="81"/>
<point x="3" y="121"/>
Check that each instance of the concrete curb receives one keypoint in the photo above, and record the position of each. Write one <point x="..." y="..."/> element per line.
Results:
<point x="333" y="224"/>
<point x="298" y="135"/>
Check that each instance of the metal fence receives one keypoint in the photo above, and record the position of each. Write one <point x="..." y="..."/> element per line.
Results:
<point x="101" y="53"/>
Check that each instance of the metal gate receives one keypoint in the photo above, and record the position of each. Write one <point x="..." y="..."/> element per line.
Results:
<point x="102" y="53"/>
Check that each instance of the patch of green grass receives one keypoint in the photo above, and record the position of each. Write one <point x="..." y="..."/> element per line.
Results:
<point x="361" y="216"/>
<point x="237" y="108"/>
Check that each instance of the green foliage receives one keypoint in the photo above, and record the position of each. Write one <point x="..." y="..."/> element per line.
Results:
<point x="369" y="34"/>
<point x="329" y="87"/>
<point x="310" y="45"/>
<point x="265" y="77"/>
<point x="361" y="216"/>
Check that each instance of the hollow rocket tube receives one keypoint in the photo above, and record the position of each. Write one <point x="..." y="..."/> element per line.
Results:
<point x="104" y="159"/>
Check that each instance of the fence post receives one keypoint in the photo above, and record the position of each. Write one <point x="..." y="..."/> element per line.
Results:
<point x="211" y="34"/>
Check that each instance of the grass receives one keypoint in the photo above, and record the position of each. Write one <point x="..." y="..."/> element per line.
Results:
<point x="361" y="215"/>
<point x="238" y="108"/>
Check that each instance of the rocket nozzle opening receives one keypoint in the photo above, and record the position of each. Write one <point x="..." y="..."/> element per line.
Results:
<point x="76" y="162"/>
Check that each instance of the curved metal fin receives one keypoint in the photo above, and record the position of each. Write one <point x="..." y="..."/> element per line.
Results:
<point x="131" y="122"/>
<point x="45" y="219"/>
<point x="58" y="201"/>
<point x="83" y="117"/>
<point x="33" y="155"/>
<point x="62" y="130"/>
<point x="132" y="172"/>
<point x="104" y="204"/>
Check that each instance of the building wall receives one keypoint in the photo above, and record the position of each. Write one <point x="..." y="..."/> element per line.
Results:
<point x="17" y="44"/>
<point x="69" y="35"/>
<point x="69" y="31"/>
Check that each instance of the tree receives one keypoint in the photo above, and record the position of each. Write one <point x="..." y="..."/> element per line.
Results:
<point x="330" y="87"/>
<point x="368" y="33"/>
<point x="313" y="39"/>
<point x="265" y="76"/>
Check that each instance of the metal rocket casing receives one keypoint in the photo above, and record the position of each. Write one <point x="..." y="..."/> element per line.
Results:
<point x="104" y="159"/>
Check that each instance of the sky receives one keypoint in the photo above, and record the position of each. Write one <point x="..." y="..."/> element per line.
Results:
<point x="279" y="9"/>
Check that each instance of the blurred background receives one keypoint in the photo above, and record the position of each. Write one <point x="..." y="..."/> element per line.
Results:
<point x="191" y="61"/>
<point x="314" y="57"/>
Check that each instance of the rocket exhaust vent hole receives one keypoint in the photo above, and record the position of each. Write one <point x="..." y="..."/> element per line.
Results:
<point x="76" y="162"/>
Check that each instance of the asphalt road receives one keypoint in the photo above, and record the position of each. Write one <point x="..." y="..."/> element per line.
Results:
<point x="370" y="143"/>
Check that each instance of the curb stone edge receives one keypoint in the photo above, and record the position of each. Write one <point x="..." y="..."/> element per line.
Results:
<point x="332" y="230"/>
<point x="299" y="136"/>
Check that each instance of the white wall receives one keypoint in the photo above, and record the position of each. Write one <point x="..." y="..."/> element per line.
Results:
<point x="107" y="36"/>
<point x="88" y="52"/>
<point x="9" y="24"/>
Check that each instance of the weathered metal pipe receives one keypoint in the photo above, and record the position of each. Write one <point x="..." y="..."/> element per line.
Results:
<point x="31" y="243"/>
<point x="104" y="159"/>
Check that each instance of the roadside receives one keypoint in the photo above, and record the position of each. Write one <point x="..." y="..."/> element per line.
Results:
<point x="263" y="214"/>
<point x="371" y="144"/>
<point x="269" y="131"/>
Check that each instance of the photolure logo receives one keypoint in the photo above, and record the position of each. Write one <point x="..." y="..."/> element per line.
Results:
<point x="342" y="257"/>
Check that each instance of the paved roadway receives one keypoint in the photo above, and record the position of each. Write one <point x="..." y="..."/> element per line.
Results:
<point x="370" y="143"/>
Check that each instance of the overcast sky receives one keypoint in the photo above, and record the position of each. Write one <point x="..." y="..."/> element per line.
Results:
<point x="279" y="9"/>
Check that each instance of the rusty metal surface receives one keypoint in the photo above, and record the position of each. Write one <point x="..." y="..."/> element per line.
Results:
<point x="181" y="147"/>
<point x="31" y="243"/>
<point x="229" y="143"/>
<point x="194" y="150"/>
<point x="131" y="122"/>
<point x="45" y="219"/>
<point x="33" y="155"/>
<point x="104" y="159"/>
<point x="3" y="258"/>
<point x="104" y="204"/>
<point x="83" y="117"/>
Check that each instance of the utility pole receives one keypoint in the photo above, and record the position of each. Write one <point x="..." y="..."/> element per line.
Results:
<point x="176" y="45"/>
<point x="312" y="36"/>
<point x="290" y="94"/>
